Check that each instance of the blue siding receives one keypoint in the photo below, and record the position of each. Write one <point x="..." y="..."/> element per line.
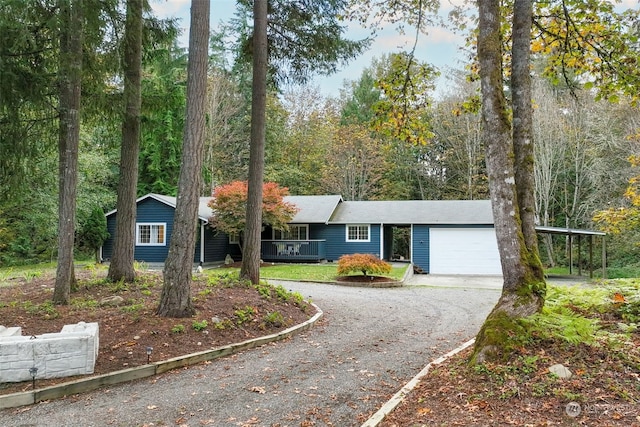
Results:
<point x="215" y="246"/>
<point x="149" y="210"/>
<point x="337" y="245"/>
<point x="420" y="249"/>
<point x="107" y="246"/>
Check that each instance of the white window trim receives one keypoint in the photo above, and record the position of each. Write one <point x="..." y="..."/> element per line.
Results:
<point x="305" y="226"/>
<point x="368" y="239"/>
<point x="151" y="224"/>
<point x="234" y="239"/>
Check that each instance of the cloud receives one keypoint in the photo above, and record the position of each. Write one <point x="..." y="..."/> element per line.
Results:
<point x="171" y="8"/>
<point x="627" y="4"/>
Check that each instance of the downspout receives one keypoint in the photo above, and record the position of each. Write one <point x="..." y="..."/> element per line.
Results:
<point x="202" y="224"/>
<point x="411" y="245"/>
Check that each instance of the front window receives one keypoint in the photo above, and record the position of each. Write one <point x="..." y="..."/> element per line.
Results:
<point x="358" y="233"/>
<point x="151" y="234"/>
<point x="295" y="232"/>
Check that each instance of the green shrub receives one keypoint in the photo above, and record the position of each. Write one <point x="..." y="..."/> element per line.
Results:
<point x="178" y="329"/>
<point x="245" y="315"/>
<point x="199" y="325"/>
<point x="274" y="319"/>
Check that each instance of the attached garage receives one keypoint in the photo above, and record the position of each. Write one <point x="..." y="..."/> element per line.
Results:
<point x="464" y="250"/>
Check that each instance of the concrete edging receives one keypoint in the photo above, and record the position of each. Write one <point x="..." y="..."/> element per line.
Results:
<point x="397" y="398"/>
<point x="88" y="384"/>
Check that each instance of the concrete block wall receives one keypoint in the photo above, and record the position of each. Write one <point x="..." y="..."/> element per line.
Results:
<point x="72" y="351"/>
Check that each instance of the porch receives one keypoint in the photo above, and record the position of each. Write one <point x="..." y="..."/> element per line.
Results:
<point x="293" y="250"/>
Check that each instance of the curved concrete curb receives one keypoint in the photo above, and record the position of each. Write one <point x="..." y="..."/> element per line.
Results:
<point x="397" y="398"/>
<point x="389" y="284"/>
<point x="87" y="384"/>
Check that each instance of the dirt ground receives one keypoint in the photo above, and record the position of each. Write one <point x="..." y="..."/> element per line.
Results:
<point x="225" y="313"/>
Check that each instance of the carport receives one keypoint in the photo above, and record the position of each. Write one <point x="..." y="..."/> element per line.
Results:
<point x="571" y="233"/>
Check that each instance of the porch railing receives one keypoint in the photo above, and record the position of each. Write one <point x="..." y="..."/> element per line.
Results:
<point x="293" y="250"/>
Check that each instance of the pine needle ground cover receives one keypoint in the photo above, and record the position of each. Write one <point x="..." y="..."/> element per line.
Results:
<point x="592" y="331"/>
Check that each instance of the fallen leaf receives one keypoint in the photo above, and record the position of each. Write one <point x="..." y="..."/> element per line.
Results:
<point x="152" y="407"/>
<point x="259" y="390"/>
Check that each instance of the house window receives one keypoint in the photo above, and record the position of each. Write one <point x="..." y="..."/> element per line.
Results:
<point x="296" y="232"/>
<point x="358" y="233"/>
<point x="151" y="234"/>
<point x="234" y="239"/>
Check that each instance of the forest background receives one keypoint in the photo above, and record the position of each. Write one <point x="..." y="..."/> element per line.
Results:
<point x="315" y="144"/>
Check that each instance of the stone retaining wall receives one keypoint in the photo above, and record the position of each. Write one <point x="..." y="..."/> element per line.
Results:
<point x="72" y="351"/>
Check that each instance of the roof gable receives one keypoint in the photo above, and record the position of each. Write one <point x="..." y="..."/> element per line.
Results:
<point x="204" y="211"/>
<point x="314" y="209"/>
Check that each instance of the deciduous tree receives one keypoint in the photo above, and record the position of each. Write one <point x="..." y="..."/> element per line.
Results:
<point x="510" y="172"/>
<point x="229" y="205"/>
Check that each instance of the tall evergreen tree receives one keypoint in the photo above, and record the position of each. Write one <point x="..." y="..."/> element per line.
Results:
<point x="298" y="39"/>
<point x="121" y="266"/>
<point x="69" y="80"/>
<point x="175" y="300"/>
<point x="251" y="255"/>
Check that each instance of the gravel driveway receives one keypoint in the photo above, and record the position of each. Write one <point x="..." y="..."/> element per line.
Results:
<point x="368" y="344"/>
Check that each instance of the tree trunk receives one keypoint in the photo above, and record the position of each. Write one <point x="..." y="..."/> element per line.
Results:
<point x="251" y="255"/>
<point x="121" y="266"/>
<point x="175" y="300"/>
<point x="70" y="75"/>
<point x="523" y="288"/>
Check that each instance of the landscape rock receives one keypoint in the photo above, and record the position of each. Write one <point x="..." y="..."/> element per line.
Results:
<point x="115" y="300"/>
<point x="561" y="371"/>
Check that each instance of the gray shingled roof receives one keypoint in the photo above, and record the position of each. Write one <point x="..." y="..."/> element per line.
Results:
<point x="414" y="212"/>
<point x="332" y="209"/>
<point x="204" y="211"/>
<point x="314" y="209"/>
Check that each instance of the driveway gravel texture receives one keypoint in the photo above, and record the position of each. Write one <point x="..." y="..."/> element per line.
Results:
<point x="368" y="344"/>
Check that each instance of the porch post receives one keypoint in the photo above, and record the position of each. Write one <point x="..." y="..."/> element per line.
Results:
<point x="381" y="241"/>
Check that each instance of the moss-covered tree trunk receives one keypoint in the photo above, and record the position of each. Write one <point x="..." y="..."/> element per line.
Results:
<point x="509" y="158"/>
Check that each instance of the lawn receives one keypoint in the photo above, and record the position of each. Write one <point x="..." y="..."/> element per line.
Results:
<point x="310" y="272"/>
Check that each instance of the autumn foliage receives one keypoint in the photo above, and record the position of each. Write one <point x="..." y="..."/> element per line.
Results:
<point x="229" y="204"/>
<point x="366" y="263"/>
<point x="617" y="220"/>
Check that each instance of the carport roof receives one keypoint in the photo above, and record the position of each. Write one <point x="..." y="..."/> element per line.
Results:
<point x="405" y="212"/>
<point x="569" y="231"/>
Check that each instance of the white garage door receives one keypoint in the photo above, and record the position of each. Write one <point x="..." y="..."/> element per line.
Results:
<point x="463" y="251"/>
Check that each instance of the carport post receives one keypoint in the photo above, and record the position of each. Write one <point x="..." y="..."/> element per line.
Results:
<point x="604" y="257"/>
<point x="570" y="254"/>
<point x="591" y="256"/>
<point x="579" y="255"/>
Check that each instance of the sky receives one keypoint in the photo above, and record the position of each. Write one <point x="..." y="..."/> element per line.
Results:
<point x="440" y="47"/>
